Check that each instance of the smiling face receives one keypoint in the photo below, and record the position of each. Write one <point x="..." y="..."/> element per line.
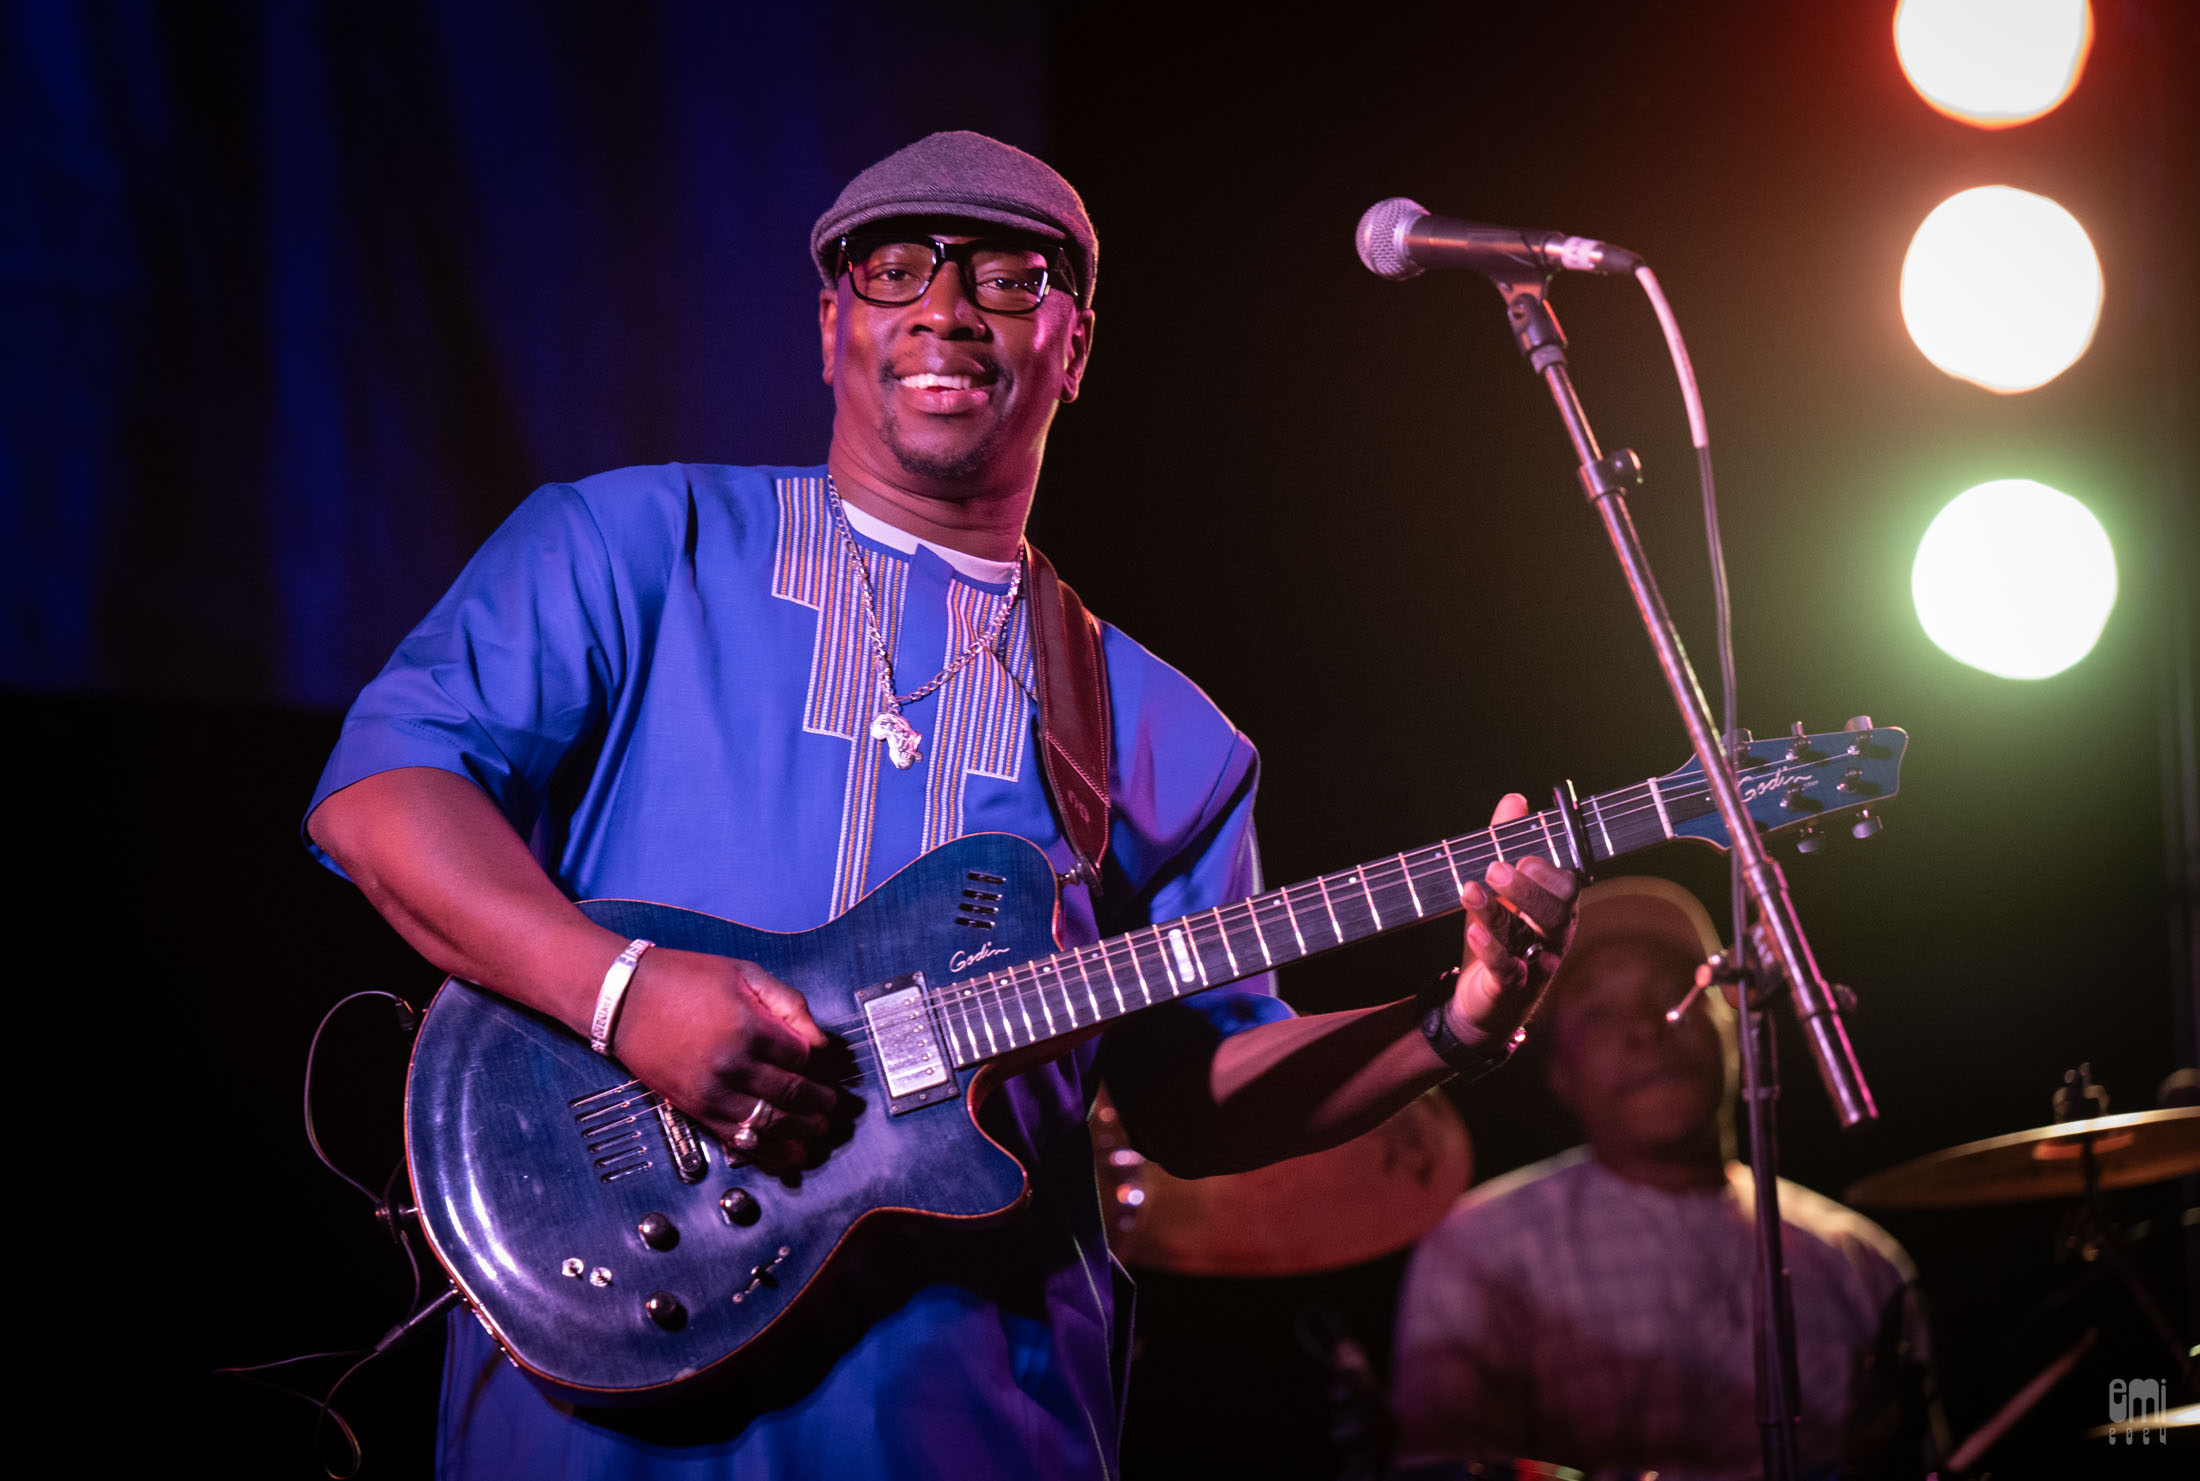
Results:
<point x="1644" y="1090"/>
<point x="939" y="398"/>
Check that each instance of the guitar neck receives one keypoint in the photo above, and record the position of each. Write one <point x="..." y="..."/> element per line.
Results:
<point x="1016" y="1007"/>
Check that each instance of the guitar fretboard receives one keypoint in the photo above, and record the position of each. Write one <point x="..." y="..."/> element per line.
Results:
<point x="1016" y="1007"/>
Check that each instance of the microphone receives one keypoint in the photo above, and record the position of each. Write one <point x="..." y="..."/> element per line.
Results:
<point x="1399" y="239"/>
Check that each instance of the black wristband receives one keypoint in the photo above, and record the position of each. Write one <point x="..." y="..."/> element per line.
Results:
<point x="1472" y="1061"/>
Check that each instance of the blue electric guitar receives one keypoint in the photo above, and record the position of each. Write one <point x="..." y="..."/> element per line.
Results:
<point x="617" y="1254"/>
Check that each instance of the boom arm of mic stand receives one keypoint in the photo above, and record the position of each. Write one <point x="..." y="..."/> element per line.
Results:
<point x="1604" y="479"/>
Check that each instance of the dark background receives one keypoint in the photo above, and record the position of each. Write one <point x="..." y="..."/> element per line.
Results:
<point x="303" y="298"/>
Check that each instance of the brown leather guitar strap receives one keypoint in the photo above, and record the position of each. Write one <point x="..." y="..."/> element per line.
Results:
<point x="1073" y="713"/>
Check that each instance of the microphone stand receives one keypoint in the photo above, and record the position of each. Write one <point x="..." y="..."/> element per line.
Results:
<point x="1779" y="1380"/>
<point x="1778" y="933"/>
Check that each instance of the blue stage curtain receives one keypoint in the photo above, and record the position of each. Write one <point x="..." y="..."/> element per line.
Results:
<point x="303" y="296"/>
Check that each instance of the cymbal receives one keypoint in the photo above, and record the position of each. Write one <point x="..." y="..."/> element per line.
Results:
<point x="2129" y="1150"/>
<point x="2182" y="1417"/>
<point x="1366" y="1198"/>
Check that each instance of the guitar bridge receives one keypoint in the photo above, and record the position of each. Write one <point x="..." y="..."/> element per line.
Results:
<point x="688" y="1157"/>
<point x="910" y="1056"/>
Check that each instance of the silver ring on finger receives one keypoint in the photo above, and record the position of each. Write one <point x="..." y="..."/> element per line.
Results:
<point x="748" y="1136"/>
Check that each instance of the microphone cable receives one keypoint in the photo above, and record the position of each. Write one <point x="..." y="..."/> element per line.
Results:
<point x="1722" y="610"/>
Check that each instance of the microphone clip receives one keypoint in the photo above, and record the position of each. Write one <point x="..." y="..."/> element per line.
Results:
<point x="1535" y="328"/>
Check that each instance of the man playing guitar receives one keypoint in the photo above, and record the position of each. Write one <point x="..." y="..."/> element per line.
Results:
<point x="760" y="693"/>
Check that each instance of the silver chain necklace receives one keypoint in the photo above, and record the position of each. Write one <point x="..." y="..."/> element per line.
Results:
<point x="901" y="738"/>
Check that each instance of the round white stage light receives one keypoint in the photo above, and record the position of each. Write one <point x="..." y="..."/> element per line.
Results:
<point x="2014" y="578"/>
<point x="2001" y="287"/>
<point x="1993" y="63"/>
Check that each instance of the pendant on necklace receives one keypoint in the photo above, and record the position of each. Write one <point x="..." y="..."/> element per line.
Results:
<point x="901" y="738"/>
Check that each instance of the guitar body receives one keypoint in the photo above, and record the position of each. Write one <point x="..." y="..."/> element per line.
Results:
<point x="535" y="1171"/>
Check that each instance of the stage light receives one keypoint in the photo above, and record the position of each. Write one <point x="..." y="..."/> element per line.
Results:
<point x="2015" y="578"/>
<point x="2001" y="288"/>
<point x="1993" y="63"/>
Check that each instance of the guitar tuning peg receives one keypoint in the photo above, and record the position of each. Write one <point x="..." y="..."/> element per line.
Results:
<point x="1865" y="825"/>
<point x="1809" y="842"/>
<point x="1798" y="731"/>
<point x="1858" y="722"/>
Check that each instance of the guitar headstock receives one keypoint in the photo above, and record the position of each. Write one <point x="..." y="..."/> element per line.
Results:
<point x="1799" y="783"/>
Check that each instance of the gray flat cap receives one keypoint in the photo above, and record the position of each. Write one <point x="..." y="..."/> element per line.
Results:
<point x="968" y="175"/>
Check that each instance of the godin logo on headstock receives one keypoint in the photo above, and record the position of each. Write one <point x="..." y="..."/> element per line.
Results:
<point x="1782" y="778"/>
<point x="962" y="961"/>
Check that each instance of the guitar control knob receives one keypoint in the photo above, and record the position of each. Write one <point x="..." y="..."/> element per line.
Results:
<point x="658" y="1232"/>
<point x="1865" y="825"/>
<point x="665" y="1310"/>
<point x="739" y="1206"/>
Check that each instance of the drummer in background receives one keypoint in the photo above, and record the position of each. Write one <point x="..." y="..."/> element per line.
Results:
<point x="1595" y="1310"/>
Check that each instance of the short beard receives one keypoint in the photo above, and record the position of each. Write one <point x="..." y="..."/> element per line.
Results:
<point x="968" y="464"/>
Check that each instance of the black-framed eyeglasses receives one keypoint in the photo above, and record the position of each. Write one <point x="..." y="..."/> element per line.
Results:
<point x="1001" y="277"/>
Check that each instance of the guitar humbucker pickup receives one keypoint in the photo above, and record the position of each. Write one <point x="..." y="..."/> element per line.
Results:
<point x="910" y="1055"/>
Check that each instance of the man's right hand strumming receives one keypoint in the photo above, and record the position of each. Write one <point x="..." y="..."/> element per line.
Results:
<point x="727" y="1042"/>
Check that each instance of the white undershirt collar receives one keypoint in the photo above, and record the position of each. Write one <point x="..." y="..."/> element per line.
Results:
<point x="893" y="537"/>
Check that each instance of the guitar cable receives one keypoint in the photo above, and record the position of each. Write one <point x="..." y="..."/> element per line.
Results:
<point x="419" y="1317"/>
<point x="408" y="1019"/>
